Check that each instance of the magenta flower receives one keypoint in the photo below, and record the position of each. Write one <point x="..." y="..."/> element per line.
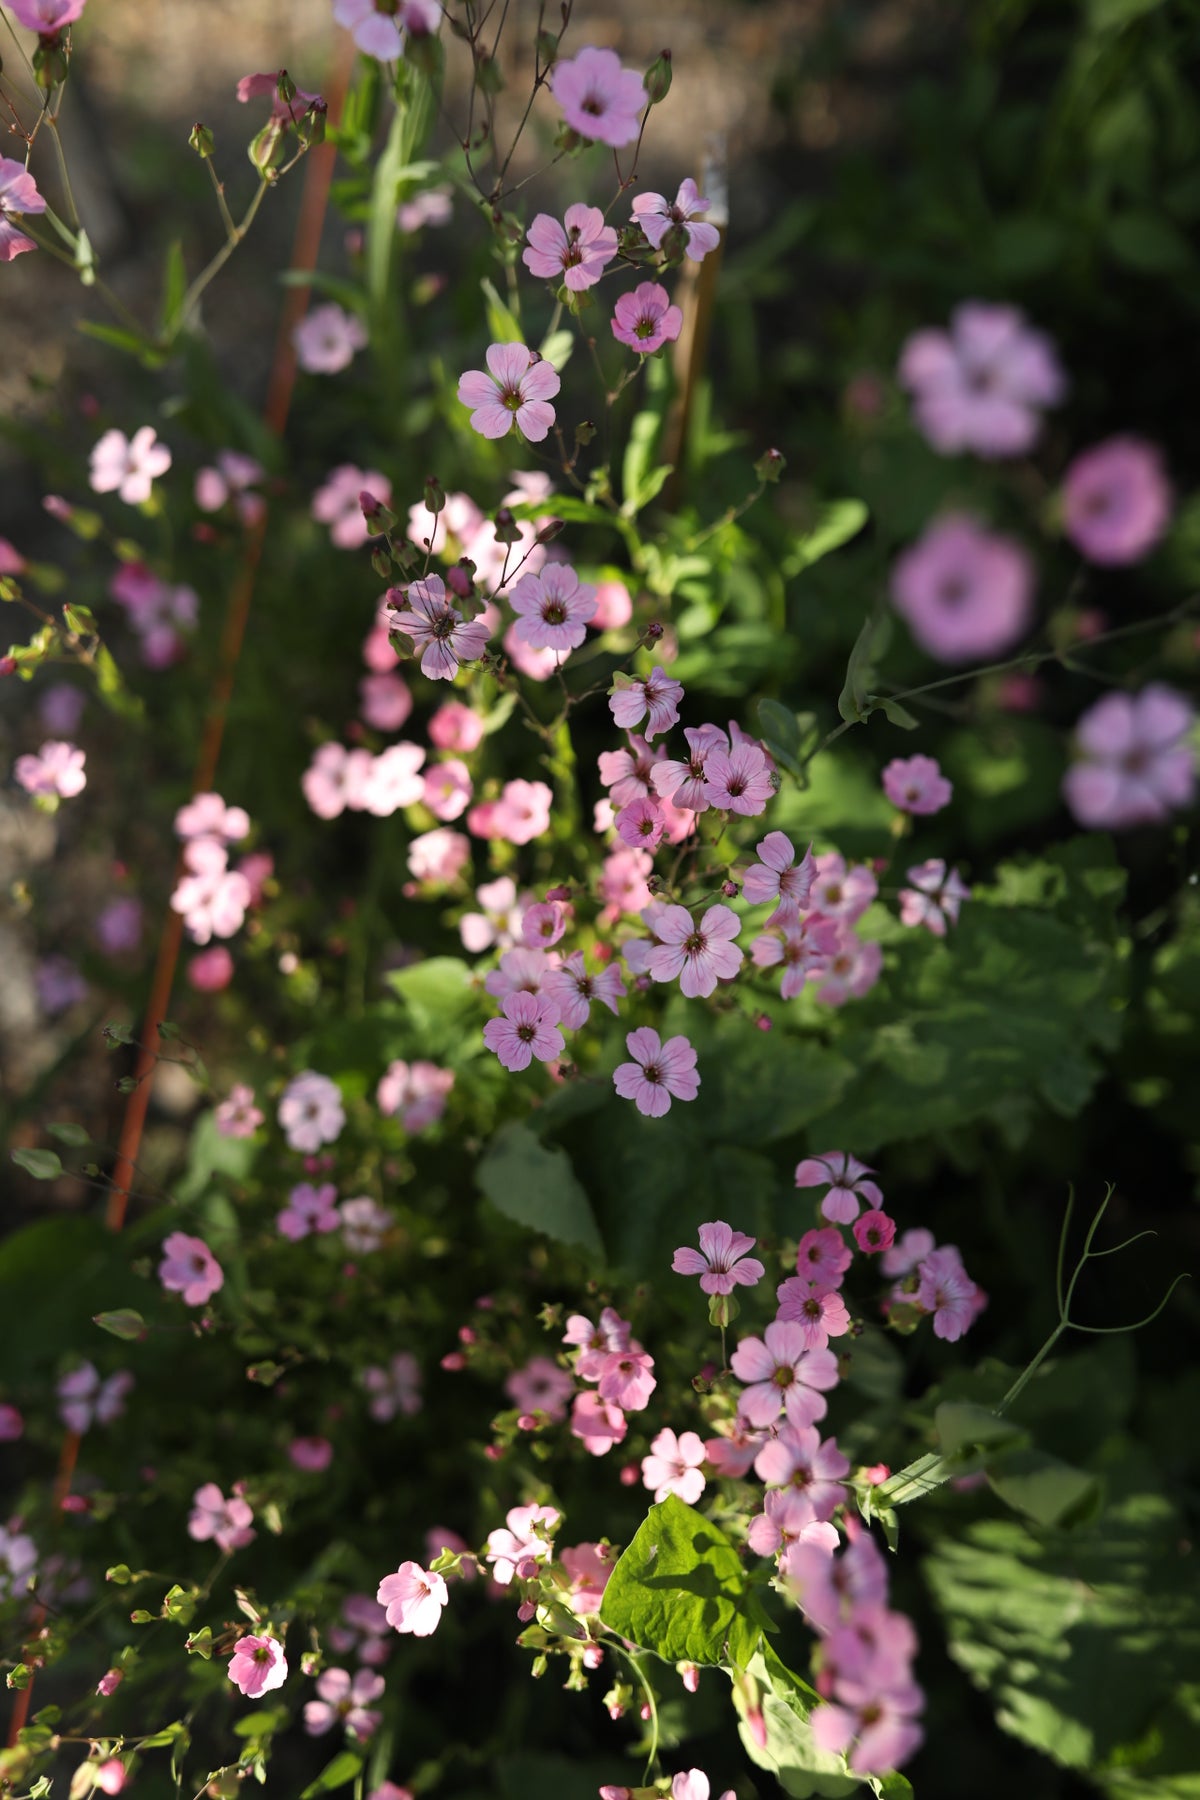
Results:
<point x="658" y="1073"/>
<point x="916" y="784"/>
<point x="344" y="1701"/>
<point x="311" y="1111"/>
<point x="517" y="389"/>
<point x="934" y="898"/>
<point x="572" y="990"/>
<point x="575" y="252"/>
<point x="190" y="1268"/>
<point x="783" y="1376"/>
<point x="981" y="385"/>
<point x="964" y="592"/>
<point x="18" y="195"/>
<point x="414" y="1598"/>
<point x="641" y="824"/>
<point x="128" y="466"/>
<point x="947" y="1291"/>
<point x="528" y="1028"/>
<point x="874" y="1231"/>
<point x="328" y="339"/>
<point x="823" y="1255"/>
<point x="819" y="1314"/>
<point x="681" y="218"/>
<point x="739" y="781"/>
<point x="226" y="1522"/>
<point x="645" y="319"/>
<point x="673" y="1466"/>
<point x="1137" y="765"/>
<point x="257" y="1666"/>
<point x="553" y="608"/>
<point x="699" y="954"/>
<point x="721" y="1261"/>
<point x="846" y="1188"/>
<point x="589" y="1567"/>
<point x="689" y="1784"/>
<point x="599" y="98"/>
<point x="543" y="924"/>
<point x="56" y="769"/>
<point x="778" y="877"/>
<point x="438" y="631"/>
<point x="45" y="16"/>
<point x="309" y="1209"/>
<point x="629" y="774"/>
<point x="85" y="1400"/>
<point x="787" y="1518"/>
<point x="656" y="699"/>
<point x="1116" y="500"/>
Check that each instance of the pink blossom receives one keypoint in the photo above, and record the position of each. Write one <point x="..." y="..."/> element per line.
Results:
<point x="311" y="1111"/>
<point x="627" y="1379"/>
<point x="378" y="26"/>
<point x="206" y="815"/>
<point x="85" y="1400"/>
<point x="1116" y="500"/>
<point x="946" y="1291"/>
<point x="231" y="480"/>
<point x="13" y="563"/>
<point x="805" y="945"/>
<point x="934" y="898"/>
<point x="778" y="878"/>
<point x="521" y="814"/>
<point x="19" y="193"/>
<point x="622" y="883"/>
<point x="456" y="727"/>
<point x="783" y="1376"/>
<point x="874" y="1231"/>
<point x="537" y="665"/>
<point x="448" y="789"/>
<point x="600" y="99"/>
<point x="980" y="386"/>
<point x="964" y="592"/>
<point x="692" y="1784"/>
<point x="541" y="1386"/>
<point x="190" y="1268"/>
<point x="415" y="1093"/>
<point x="528" y="1028"/>
<point x="365" y="1224"/>
<point x="226" y="1522"/>
<point x="680" y="220"/>
<point x="645" y="319"/>
<point x="395" y="780"/>
<point x="596" y="1343"/>
<point x="312" y="1454"/>
<point x="524" y="1541"/>
<point x="18" y="1559"/>
<point x="211" y="971"/>
<point x="128" y="466"/>
<point x="839" y="892"/>
<point x="309" y="1209"/>
<point x="328" y="338"/>
<point x="553" y="608"/>
<point x="820" y="1314"/>
<point x="829" y="1588"/>
<point x="384" y="701"/>
<point x="517" y="389"/>
<point x="658" y="1073"/>
<point x="674" y="1466"/>
<point x="335" y="779"/>
<point x="572" y="990"/>
<point x="721" y="1261"/>
<point x="846" y="1186"/>
<point x="700" y="954"/>
<point x="575" y="252"/>
<point x="823" y="1255"/>
<point x="614" y="606"/>
<point x="212" y="897"/>
<point x="734" y="1451"/>
<point x="740" y="781"/>
<point x="344" y="1701"/>
<point x="907" y="1251"/>
<point x="788" y="1517"/>
<point x="597" y="1424"/>
<point x="686" y="783"/>
<point x="45" y="16"/>
<point x="543" y="924"/>
<point x="589" y="1567"/>
<point x="109" y="1682"/>
<point x="641" y="824"/>
<point x="520" y="971"/>
<point x="56" y="769"/>
<point x="1137" y="764"/>
<point x="12" y="1425"/>
<point x="155" y="610"/>
<point x="438" y="631"/>
<point x="629" y="774"/>
<point x="109" y="1776"/>
<point x="259" y="86"/>
<point x="336" y="504"/>
<point x="439" y="855"/>
<point x="396" y="1389"/>
<point x="916" y="784"/>
<point x="388" y="1790"/>
<point x="656" y="699"/>
<point x="257" y="1666"/>
<point x="851" y="971"/>
<point x="499" y="922"/>
<point x="432" y="207"/>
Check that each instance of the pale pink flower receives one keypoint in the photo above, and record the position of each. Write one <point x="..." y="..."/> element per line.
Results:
<point x="721" y="1261"/>
<point x="311" y="1112"/>
<point x="934" y="898"/>
<point x="528" y="1028"/>
<point x="541" y="1386"/>
<point x="575" y="252"/>
<point x="328" y="338"/>
<point x="438" y="631"/>
<point x="851" y="971"/>
<point x="907" y="1251"/>
<point x="456" y="727"/>
<point x="312" y="1454"/>
<point x="13" y="563"/>
<point x="434" y="206"/>
<point x="916" y="784"/>
<point x="596" y="1343"/>
<point x="365" y="1224"/>
<point x="440" y="855"/>
<point x="964" y="592"/>
<point x="128" y="466"/>
<point x="874" y="1231"/>
<point x="692" y="1784"/>
<point x="842" y="1175"/>
<point x="211" y="971"/>
<point x="630" y="774"/>
<point x="257" y="1666"/>
<point x="614" y="606"/>
<point x="378" y="651"/>
<point x="622" y="883"/>
<point x="45" y="16"/>
<point x="733" y="1452"/>
<point x="655" y="699"/>
<point x="344" y="1701"/>
<point x="674" y="1466"/>
<point x="627" y="1378"/>
<point x="597" y="1424"/>
<point x="804" y="947"/>
<point x="517" y="389"/>
<point x="525" y="1540"/>
<point x="85" y="1400"/>
<point x="336" y="504"/>
<point x="700" y="954"/>
<point x="544" y="923"/>
<point x="378" y="27"/>
<point x="839" y="892"/>
<point x="572" y="990"/>
<point x="589" y="1567"/>
<point x="1116" y="500"/>
<point x="499" y="922"/>
<point x="206" y="815"/>
<point x="1137" y="764"/>
<point x="395" y="780"/>
<point x="819" y="1314"/>
<point x="56" y="769"/>
<point x="645" y="319"/>
<point x="309" y="1209"/>
<point x="19" y="194"/>
<point x="415" y="1093"/>
<point x="783" y="1376"/>
<point x="448" y="789"/>
<point x="521" y="814"/>
<point x="876" y="1734"/>
<point x="60" y="707"/>
<point x="190" y="1268"/>
<point x="739" y="781"/>
<point x="231" y="480"/>
<point x="641" y="824"/>
<point x="537" y="665"/>
<point x="658" y="1073"/>
<point x="830" y="1588"/>
<point x="553" y="607"/>
<point x="946" y="1291"/>
<point x="600" y="99"/>
<point x="212" y="897"/>
<point x="384" y="700"/>
<point x="226" y="1522"/>
<point x="396" y="1389"/>
<point x="778" y="878"/>
<point x="109" y="1776"/>
<point x="788" y="1518"/>
<point x="109" y="1682"/>
<point x="18" y="1559"/>
<point x="520" y="971"/>
<point x="681" y="218"/>
<point x="335" y="779"/>
<point x="981" y="386"/>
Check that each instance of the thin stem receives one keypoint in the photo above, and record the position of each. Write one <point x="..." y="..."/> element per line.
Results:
<point x="214" y="267"/>
<point x="219" y="190"/>
<point x="72" y="209"/>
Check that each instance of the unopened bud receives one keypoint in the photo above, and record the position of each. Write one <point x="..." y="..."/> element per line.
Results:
<point x="8" y="665"/>
<point x="379" y="518"/>
<point x="201" y="140"/>
<point x="654" y="631"/>
<point x="657" y="79"/>
<point x="285" y="87"/>
<point x="381" y="562"/>
<point x="461" y="578"/>
<point x="585" y="431"/>
<point x="435" y="495"/>
<point x="507" y="529"/>
<point x="558" y="893"/>
<point x="770" y="465"/>
<point x="729" y="889"/>
<point x="549" y="531"/>
<point x="50" y="60"/>
<point x="723" y="1309"/>
<point x="311" y="124"/>
<point x="547" y="47"/>
<point x="488" y="78"/>
<point x="264" y="148"/>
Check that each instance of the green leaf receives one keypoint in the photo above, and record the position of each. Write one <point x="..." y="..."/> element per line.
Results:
<point x="853" y="703"/>
<point x="160" y="1739"/>
<point x="503" y="323"/>
<point x="681" y="1591"/>
<point x="343" y="1769"/>
<point x="556" y="350"/>
<point x="784" y="1703"/>
<point x="117" y="339"/>
<point x="780" y="730"/>
<point x="964" y="1428"/>
<point x="43" y="1165"/>
<point x="174" y="291"/>
<point x="837" y="522"/>
<point x="124" y="1323"/>
<point x="895" y="713"/>
<point x="212" y="1154"/>
<point x="535" y="1185"/>
<point x="66" y="1133"/>
<point x="1150" y="243"/>
<point x="1048" y="1491"/>
<point x="261" y="1724"/>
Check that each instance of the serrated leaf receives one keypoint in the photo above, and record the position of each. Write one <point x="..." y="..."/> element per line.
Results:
<point x="534" y="1184"/>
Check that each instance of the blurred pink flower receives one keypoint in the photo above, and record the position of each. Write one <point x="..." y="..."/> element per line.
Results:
<point x="981" y="385"/>
<point x="674" y="1466"/>
<point x="344" y="1701"/>
<point x="517" y="389"/>
<point x="206" y="815"/>
<point x="328" y="338"/>
<point x="85" y="1400"/>
<point x="439" y="855"/>
<point x="415" y="1093"/>
<point x="311" y="1112"/>
<point x="448" y="789"/>
<point x="541" y="1386"/>
<point x="384" y="701"/>
<point x="916" y="784"/>
<point x="57" y="768"/>
<point x="237" y="1116"/>
<point x="233" y="478"/>
<point x="190" y="1268"/>
<point x="1116" y="500"/>
<point x="456" y="727"/>
<point x="396" y="1389"/>
<point x="1137" y="764"/>
<point x="336" y="504"/>
<point x="597" y="1424"/>
<point x="337" y="778"/>
<point x="659" y="216"/>
<point x="964" y="592"/>
<point x="128" y="466"/>
<point x="378" y="26"/>
<point x="211" y="971"/>
<point x="614" y="606"/>
<point x="212" y="897"/>
<point x="309" y="1209"/>
<point x="600" y="99"/>
<point x="226" y="1522"/>
<point x="934" y="898"/>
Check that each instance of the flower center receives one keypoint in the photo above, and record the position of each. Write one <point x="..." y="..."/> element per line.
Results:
<point x="953" y="591"/>
<point x="526" y="1033"/>
<point x="554" y="613"/>
<point x="651" y="1072"/>
<point x="694" y="944"/>
<point x="645" y="327"/>
<point x="784" y="1377"/>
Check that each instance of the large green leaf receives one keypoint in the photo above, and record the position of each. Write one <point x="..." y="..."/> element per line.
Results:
<point x="681" y="1591"/>
<point x="535" y="1184"/>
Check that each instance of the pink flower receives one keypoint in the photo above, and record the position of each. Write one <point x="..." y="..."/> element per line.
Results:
<point x="498" y="923"/>
<point x="517" y="389"/>
<point x="86" y="1400"/>
<point x="312" y="1454"/>
<point x="309" y="1209"/>
<point x="980" y="386"/>
<point x="436" y="628"/>
<point x="414" y="1598"/>
<point x="521" y="814"/>
<point x="394" y="1389"/>
<point x="614" y="606"/>
<point x="237" y="1116"/>
<point x="673" y="1466"/>
<point x="12" y="1425"/>
<point x="109" y="1682"/>
<point x="784" y="1376"/>
<point x="686" y="783"/>
<point x="521" y="971"/>
<point x="56" y="769"/>
<point x="589" y="1567"/>
<point x="448" y="789"/>
<point x="692" y="1784"/>
<point x="1116" y="500"/>
<point x="455" y="727"/>
<point x="721" y="1261"/>
<point x="963" y="591"/>
<point x="416" y="1094"/>
<point x="658" y="1073"/>
<point x="798" y="1458"/>
<point x="846" y="1187"/>
<point x="679" y="218"/>
<point x="575" y="252"/>
<point x="541" y="1386"/>
<point x="907" y="1251"/>
<point x="656" y="699"/>
<point x="629" y="774"/>
<point x="524" y="1541"/>
<point x="934" y="898"/>
<point x="109" y="1776"/>
<point x="622" y="884"/>
<point x="190" y="1268"/>
<point x="1137" y="765"/>
<point x="336" y="504"/>
<point x="328" y="338"/>
<point x="226" y="1522"/>
<point x="378" y="26"/>
<point x="553" y="608"/>
<point x="820" y="1314"/>
<point x="211" y="971"/>
<point x="543" y="924"/>
<point x="740" y="781"/>
<point x="599" y="99"/>
<point x="231" y="480"/>
<point x="916" y="784"/>
<point x="779" y="878"/>
<point x="874" y="1231"/>
<point x="311" y="1111"/>
<point x="335" y="779"/>
<point x="645" y="319"/>
<point x="641" y="824"/>
<point x="432" y="207"/>
<point x="946" y="1291"/>
<point x="384" y="701"/>
<point x="257" y="1666"/>
<point x="45" y="16"/>
<point x="627" y="1378"/>
<point x="842" y="893"/>
<point x="365" y="1224"/>
<point x="804" y="946"/>
<point x="699" y="954"/>
<point x="19" y="193"/>
<point x="212" y="897"/>
<point x="439" y="855"/>
<point x="394" y="781"/>
<point x="572" y="990"/>
<point x="206" y="815"/>
<point x="597" y="1424"/>
<point x="528" y="1028"/>
<point x="344" y="1701"/>
<point x="128" y="466"/>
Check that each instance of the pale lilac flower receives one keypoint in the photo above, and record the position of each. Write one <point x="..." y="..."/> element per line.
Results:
<point x="384" y="700"/>
<point x="778" y="878"/>
<point x="415" y="1093"/>
<point x="336" y="504"/>
<point x="128" y="466"/>
<point x="206" y="815"/>
<point x="572" y="990"/>
<point x="658" y="1073"/>
<point x="346" y="1702"/>
<point x="829" y="1589"/>
<point x="528" y="1028"/>
<point x="335" y="779"/>
<point x="189" y="1268"/>
<point x="700" y="954"/>
<point x="309" y="1209"/>
<point x="19" y="194"/>
<point x="656" y="699"/>
<point x="257" y="1666"/>
<point x="311" y="1111"/>
<point x="680" y="219"/>
<point x="520" y="971"/>
<point x="964" y="592"/>
<point x="1116" y="500"/>
<point x="365" y="1224"/>
<point x="456" y="727"/>
<point x="804" y="947"/>
<point x="740" y="781"/>
<point x="575" y="252"/>
<point x="212" y="897"/>
<point x="843" y="1175"/>
<point x="59" y="984"/>
<point x="448" y="789"/>
<point x="674" y="1466"/>
<point x="232" y="479"/>
<point x="60" y="707"/>
<point x="45" y="16"/>
<point x="916" y="784"/>
<point x="981" y="386"/>
<point x="946" y="1291"/>
<point x="396" y="1389"/>
<point x="85" y="1400"/>
<point x="600" y="99"/>
<point x="907" y="1251"/>
<point x="438" y="631"/>
<point x="839" y="892"/>
<point x="18" y="1560"/>
<point x="798" y="1458"/>
<point x="783" y="1376"/>
<point x="434" y="206"/>
<point x="226" y="1522"/>
<point x="721" y="1261"/>
<point x="851" y="971"/>
<point x="645" y="319"/>
<point x="934" y="898"/>
<point x="692" y="1784"/>
<point x="541" y="1386"/>
<point x="378" y="26"/>
<point x="521" y="1543"/>
<point x="56" y="769"/>
<point x="517" y="389"/>
<point x="686" y="783"/>
<point x="312" y="1454"/>
<point x="1137" y="764"/>
<point x="328" y="338"/>
<point x="553" y="607"/>
<point x="641" y="824"/>
<point x="819" y="1314"/>
<point x="439" y="855"/>
<point x="543" y="924"/>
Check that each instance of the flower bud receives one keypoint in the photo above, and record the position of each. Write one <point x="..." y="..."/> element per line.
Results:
<point x="653" y="631"/>
<point x="547" y="47"/>
<point x="770" y="465"/>
<point x="723" y="1309"/>
<point x="201" y="140"/>
<point x="381" y="562"/>
<point x="729" y="889"/>
<point x="8" y="665"/>
<point x="310" y="126"/>
<point x="507" y="529"/>
<point x="585" y="431"/>
<point x="285" y="87"/>
<point x="657" y="79"/>
<point x="379" y="518"/>
<point x="549" y="531"/>
<point x="461" y="578"/>
<point x="263" y="150"/>
<point x="435" y="495"/>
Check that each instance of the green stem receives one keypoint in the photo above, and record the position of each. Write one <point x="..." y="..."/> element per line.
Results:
<point x="214" y="267"/>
